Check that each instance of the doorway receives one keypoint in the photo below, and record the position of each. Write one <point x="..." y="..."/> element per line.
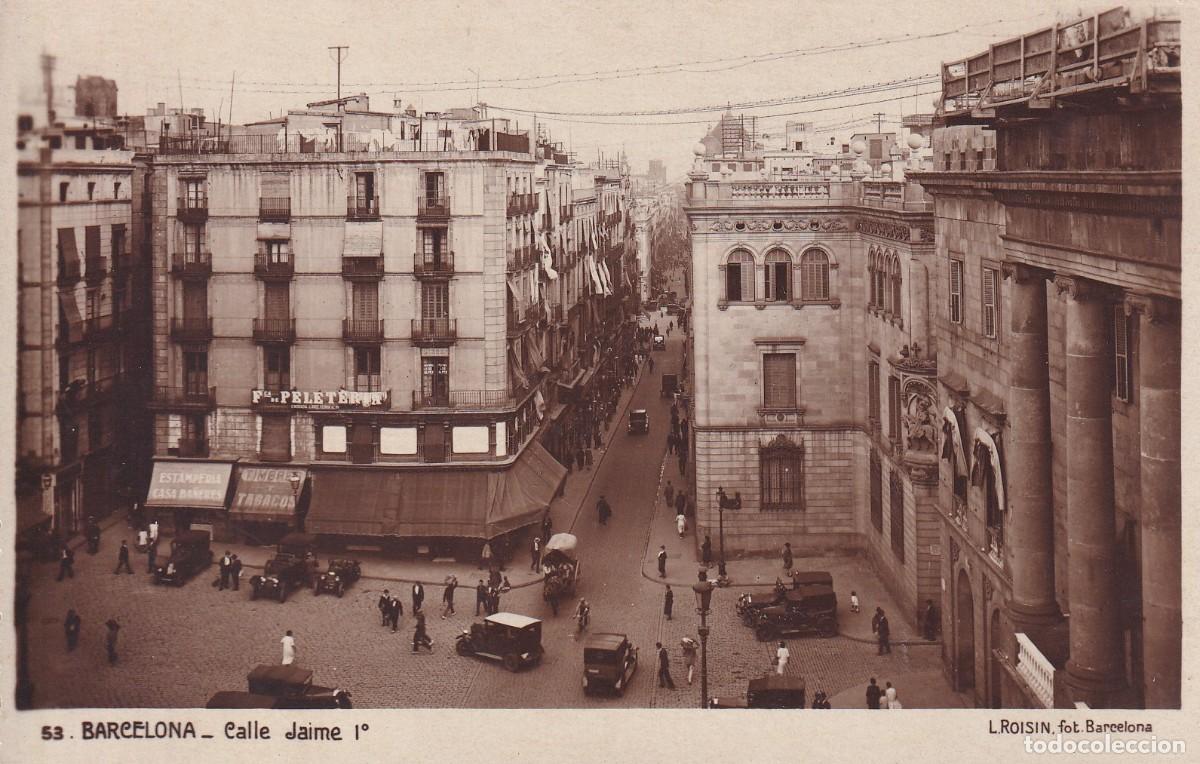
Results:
<point x="964" y="632"/>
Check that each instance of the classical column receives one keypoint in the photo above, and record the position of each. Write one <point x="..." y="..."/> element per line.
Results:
<point x="1096" y="666"/>
<point x="1162" y="570"/>
<point x="1030" y="491"/>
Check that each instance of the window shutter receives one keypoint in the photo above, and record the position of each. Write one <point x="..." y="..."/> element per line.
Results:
<point x="896" y="500"/>
<point x="748" y="281"/>
<point x="366" y="302"/>
<point x="434" y="301"/>
<point x="989" y="302"/>
<point x="1121" y="351"/>
<point x="779" y="380"/>
<point x="893" y="408"/>
<point x="276" y="185"/>
<point x="873" y="392"/>
<point x="769" y="281"/>
<point x="955" y="291"/>
<point x="277" y="302"/>
<point x="733" y="282"/>
<point x="876" y="492"/>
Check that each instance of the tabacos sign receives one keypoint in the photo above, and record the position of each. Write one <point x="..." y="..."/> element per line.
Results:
<point x="320" y="399"/>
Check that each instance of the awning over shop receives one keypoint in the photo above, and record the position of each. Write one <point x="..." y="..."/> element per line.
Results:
<point x="437" y="502"/>
<point x="265" y="494"/>
<point x="200" y="485"/>
<point x="363" y="239"/>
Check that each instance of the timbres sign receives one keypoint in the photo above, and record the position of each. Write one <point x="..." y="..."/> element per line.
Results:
<point x="320" y="400"/>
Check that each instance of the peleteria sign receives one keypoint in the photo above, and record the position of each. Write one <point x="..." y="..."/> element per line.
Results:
<point x="320" y="400"/>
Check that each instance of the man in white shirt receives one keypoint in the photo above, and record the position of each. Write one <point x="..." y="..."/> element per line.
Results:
<point x="289" y="648"/>
<point x="781" y="657"/>
<point x="154" y="530"/>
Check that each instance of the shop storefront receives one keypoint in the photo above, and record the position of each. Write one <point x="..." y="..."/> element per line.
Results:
<point x="266" y="501"/>
<point x="187" y="495"/>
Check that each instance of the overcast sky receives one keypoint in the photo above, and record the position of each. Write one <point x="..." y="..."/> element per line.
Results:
<point x="278" y="50"/>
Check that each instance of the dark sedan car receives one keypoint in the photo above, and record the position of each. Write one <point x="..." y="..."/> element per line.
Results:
<point x="190" y="553"/>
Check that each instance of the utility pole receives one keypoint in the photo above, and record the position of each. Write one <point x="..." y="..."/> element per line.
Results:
<point x="472" y="71"/>
<point x="48" y="86"/>
<point x="878" y="121"/>
<point x="340" y="106"/>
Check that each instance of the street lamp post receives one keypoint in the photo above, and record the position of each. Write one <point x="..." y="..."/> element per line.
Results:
<point x="724" y="503"/>
<point x="295" y="481"/>
<point x="703" y="590"/>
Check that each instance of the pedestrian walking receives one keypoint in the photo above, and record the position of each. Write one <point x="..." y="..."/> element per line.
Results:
<point x="681" y="502"/>
<point x="384" y="603"/>
<point x="151" y="556"/>
<point x="603" y="510"/>
<point x="480" y="597"/>
<point x="683" y="463"/>
<point x="875" y="620"/>
<point x="224" y="567"/>
<point x="885" y="633"/>
<point x="579" y="458"/>
<point x="143" y="539"/>
<point x="93" y="535"/>
<point x="153" y="528"/>
<point x="683" y="430"/>
<point x="662" y="561"/>
<point x="587" y="458"/>
<point x="669" y="493"/>
<point x="289" y="648"/>
<point x="485" y="557"/>
<point x="689" y="647"/>
<point x="873" y="695"/>
<point x="493" y="600"/>
<point x="854" y="606"/>
<point x="123" y="559"/>
<point x="547" y="526"/>
<point x="110" y="640"/>
<point x="706" y="552"/>
<point x="235" y="572"/>
<point x="448" y="597"/>
<point x="680" y="524"/>
<point x="420" y="637"/>
<point x="664" y="667"/>
<point x="418" y="597"/>
<point x="787" y="556"/>
<point x="552" y="598"/>
<point x="671" y="442"/>
<point x="668" y="602"/>
<point x="395" y="609"/>
<point x="535" y="553"/>
<point x="71" y="626"/>
<point x="930" y="620"/>
<point x="596" y="443"/>
<point x="781" y="658"/>
<point x="891" y="701"/>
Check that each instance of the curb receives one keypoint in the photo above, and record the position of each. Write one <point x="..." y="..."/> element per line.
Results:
<point x="422" y="582"/>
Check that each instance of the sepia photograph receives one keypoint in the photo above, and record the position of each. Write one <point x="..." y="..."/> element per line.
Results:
<point x="693" y="356"/>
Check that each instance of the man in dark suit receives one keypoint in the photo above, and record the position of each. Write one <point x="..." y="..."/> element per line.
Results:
<point x="664" y="667"/>
<point x="66" y="562"/>
<point x="418" y="596"/>
<point x="395" y="609"/>
<point x="235" y="572"/>
<point x="385" y="603"/>
<point x="123" y="559"/>
<point x="885" y="632"/>
<point x="481" y="597"/>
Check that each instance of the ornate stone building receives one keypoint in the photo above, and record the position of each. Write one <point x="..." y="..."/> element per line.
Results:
<point x="1057" y="293"/>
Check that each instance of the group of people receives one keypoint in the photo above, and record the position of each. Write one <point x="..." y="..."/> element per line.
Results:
<point x="73" y="626"/>
<point x="882" y="698"/>
<point x="689" y="649"/>
<point x="229" y="572"/>
<point x="391" y="608"/>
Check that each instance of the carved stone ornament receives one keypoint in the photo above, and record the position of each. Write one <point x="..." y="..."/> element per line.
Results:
<point x="987" y="589"/>
<point x="920" y="423"/>
<point x="759" y="225"/>
<point x="912" y="360"/>
<point x="1156" y="310"/>
<point x="1081" y="289"/>
<point x="721" y="225"/>
<point x="927" y="234"/>
<point x="922" y="474"/>
<point x="695" y="226"/>
<point x="886" y="230"/>
<point x="953" y="550"/>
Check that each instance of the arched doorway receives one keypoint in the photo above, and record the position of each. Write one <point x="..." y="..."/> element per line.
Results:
<point x="995" y="672"/>
<point x="964" y="632"/>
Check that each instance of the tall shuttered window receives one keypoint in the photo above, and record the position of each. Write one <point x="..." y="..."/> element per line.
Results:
<point x="1121" y="381"/>
<point x="814" y="275"/>
<point x="366" y="369"/>
<point x="778" y="276"/>
<point x="896" y="286"/>
<point x="873" y="391"/>
<point x="956" y="291"/>
<point x="876" y="492"/>
<point x="894" y="408"/>
<point x="435" y="301"/>
<point x="779" y="380"/>
<point x="989" y="301"/>
<point x="739" y="277"/>
<point x="896" y="500"/>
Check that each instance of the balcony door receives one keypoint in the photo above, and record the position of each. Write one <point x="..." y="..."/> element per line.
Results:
<point x="195" y="301"/>
<point x="433" y="243"/>
<point x="195" y="374"/>
<point x="365" y="307"/>
<point x="435" y="187"/>
<point x="435" y="380"/>
<point x="364" y="189"/>
<point x="277" y="362"/>
<point x="278" y="304"/>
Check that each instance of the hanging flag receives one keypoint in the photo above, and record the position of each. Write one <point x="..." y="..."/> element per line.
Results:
<point x="547" y="260"/>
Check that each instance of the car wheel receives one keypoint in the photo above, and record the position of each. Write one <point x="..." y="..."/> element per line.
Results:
<point x="512" y="662"/>
<point x="764" y="633"/>
<point x="462" y="648"/>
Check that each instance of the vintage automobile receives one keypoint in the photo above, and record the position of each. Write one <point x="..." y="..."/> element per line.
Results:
<point x="811" y="577"/>
<point x="273" y="686"/>
<point x="190" y="553"/>
<point x="673" y="309"/>
<point x="609" y="661"/>
<point x="670" y="385"/>
<point x="341" y="574"/>
<point x="293" y="566"/>
<point x="560" y="566"/>
<point x="515" y="640"/>
<point x="658" y="343"/>
<point x="639" y="421"/>
<point x="750" y="605"/>
<point x="807" y="610"/>
<point x="766" y="692"/>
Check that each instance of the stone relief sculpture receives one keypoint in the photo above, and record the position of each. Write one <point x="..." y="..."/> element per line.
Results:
<point x="920" y="427"/>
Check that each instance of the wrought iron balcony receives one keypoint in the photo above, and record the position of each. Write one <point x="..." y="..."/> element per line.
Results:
<point x="434" y="207"/>
<point x="191" y="329"/>
<point x="521" y="204"/>
<point x="362" y="268"/>
<point x="275" y="209"/>
<point x="275" y="330"/>
<point x="98" y="328"/>
<point x="69" y="272"/>
<point x="192" y="209"/>
<point x="192" y="264"/>
<point x="433" y="265"/>
<point x="197" y="398"/>
<point x="434" y="331"/>
<point x="96" y="269"/>
<point x="360" y="330"/>
<point x="463" y="399"/>
<point x="193" y="447"/>
<point x="268" y="266"/>
<point x="362" y="207"/>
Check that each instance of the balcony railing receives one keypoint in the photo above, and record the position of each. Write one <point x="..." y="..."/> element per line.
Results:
<point x="192" y="264"/>
<point x="437" y="264"/>
<point x="521" y="204"/>
<point x="895" y="195"/>
<point x="362" y="267"/>
<point x="434" y="331"/>
<point x="192" y="209"/>
<point x="277" y="330"/>
<point x="464" y="399"/>
<point x="1036" y="669"/>
<point x="69" y="272"/>
<point x="362" y="207"/>
<point x="193" y="397"/>
<point x="433" y="206"/>
<point x="362" y="330"/>
<point x="273" y="266"/>
<point x="193" y="447"/>
<point x="192" y="329"/>
<point x="275" y="209"/>
<point x="96" y="269"/>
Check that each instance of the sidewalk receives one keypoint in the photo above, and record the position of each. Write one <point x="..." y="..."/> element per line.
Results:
<point x="923" y="689"/>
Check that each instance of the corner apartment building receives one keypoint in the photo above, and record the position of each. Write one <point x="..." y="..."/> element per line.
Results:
<point x="814" y="384"/>
<point x="1057" y="294"/>
<point x="82" y="332"/>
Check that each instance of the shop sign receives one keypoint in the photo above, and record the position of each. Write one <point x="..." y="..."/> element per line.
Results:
<point x="320" y="400"/>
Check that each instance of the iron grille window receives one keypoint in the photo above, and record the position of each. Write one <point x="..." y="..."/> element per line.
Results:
<point x="876" y="492"/>
<point x="814" y="275"/>
<point x="989" y="302"/>
<point x="956" y="291"/>
<point x="894" y="407"/>
<point x="782" y="478"/>
<point x="1121" y="382"/>
<point x="896" y="500"/>
<point x="779" y="380"/>
<point x="873" y="390"/>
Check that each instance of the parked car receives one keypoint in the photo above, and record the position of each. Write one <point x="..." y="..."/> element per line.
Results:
<point x="749" y="606"/>
<point x="340" y="574"/>
<point x="659" y="342"/>
<point x="190" y="553"/>
<point x="670" y="385"/>
<point x="639" y="422"/>
<point x="807" y="610"/>
<point x="609" y="661"/>
<point x="274" y="686"/>
<point x="515" y="640"/>
<point x="766" y="692"/>
<point x="293" y="566"/>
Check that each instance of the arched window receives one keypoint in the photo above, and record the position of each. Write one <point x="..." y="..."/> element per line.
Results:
<point x="782" y="474"/>
<point x="872" y="264"/>
<point x="814" y="275"/>
<point x="894" y="273"/>
<point x="779" y="276"/>
<point x="739" y="277"/>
